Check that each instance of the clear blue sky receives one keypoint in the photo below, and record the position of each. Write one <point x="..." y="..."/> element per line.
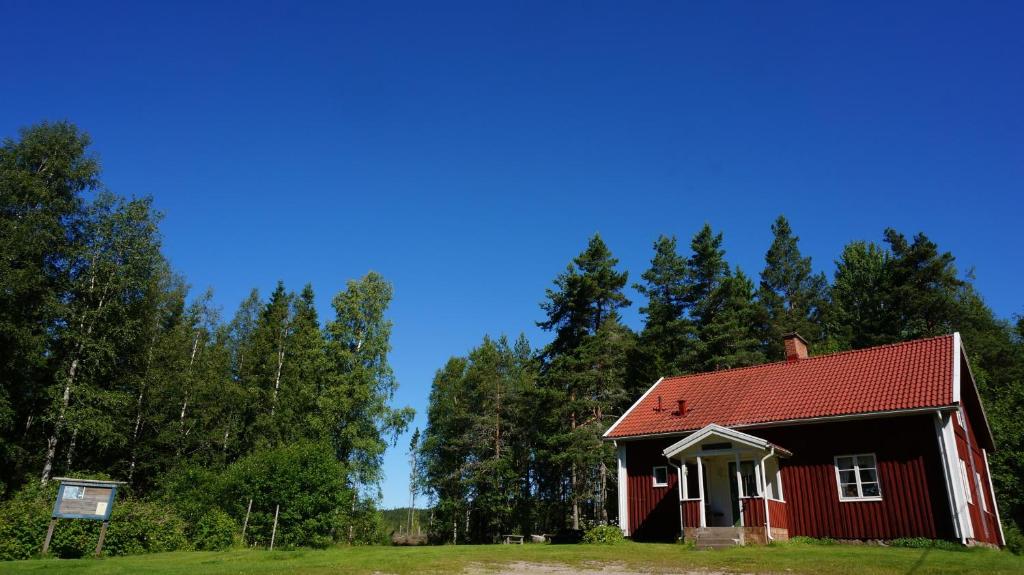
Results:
<point x="467" y="151"/>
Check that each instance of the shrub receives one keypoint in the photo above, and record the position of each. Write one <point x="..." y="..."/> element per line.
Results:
<point x="23" y="521"/>
<point x="925" y="543"/>
<point x="143" y="527"/>
<point x="306" y="481"/>
<point x="603" y="535"/>
<point x="813" y="540"/>
<point x="1014" y="538"/>
<point x="214" y="531"/>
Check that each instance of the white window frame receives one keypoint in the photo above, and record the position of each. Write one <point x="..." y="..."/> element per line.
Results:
<point x="981" y="491"/>
<point x="856" y="475"/>
<point x="966" y="481"/>
<point x="654" y="476"/>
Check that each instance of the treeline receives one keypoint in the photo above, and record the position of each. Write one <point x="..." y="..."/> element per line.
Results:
<point x="513" y="441"/>
<point x="110" y="366"/>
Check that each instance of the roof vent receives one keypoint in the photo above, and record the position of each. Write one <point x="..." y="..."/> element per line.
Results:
<point x="796" y="346"/>
<point x="682" y="407"/>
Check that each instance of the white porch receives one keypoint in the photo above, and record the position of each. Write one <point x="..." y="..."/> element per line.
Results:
<point x="728" y="478"/>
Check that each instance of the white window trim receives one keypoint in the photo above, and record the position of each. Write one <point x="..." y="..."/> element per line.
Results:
<point x="966" y="481"/>
<point x="856" y="473"/>
<point x="654" y="476"/>
<point x="981" y="491"/>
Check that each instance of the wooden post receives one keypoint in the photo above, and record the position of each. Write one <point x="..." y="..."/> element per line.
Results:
<point x="49" y="535"/>
<point x="103" y="535"/>
<point x="700" y="487"/>
<point x="245" y="524"/>
<point x="273" y="532"/>
<point x="739" y="490"/>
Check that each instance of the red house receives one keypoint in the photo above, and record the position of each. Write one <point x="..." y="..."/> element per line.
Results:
<point x="877" y="443"/>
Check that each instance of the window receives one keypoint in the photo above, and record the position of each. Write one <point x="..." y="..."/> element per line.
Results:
<point x="692" y="482"/>
<point x="981" y="491"/>
<point x="661" y="476"/>
<point x="857" y="476"/>
<point x="749" y="473"/>
<point x="966" y="482"/>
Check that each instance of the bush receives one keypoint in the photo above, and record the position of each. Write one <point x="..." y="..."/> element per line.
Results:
<point x="925" y="543"/>
<point x="307" y="482"/>
<point x="813" y="540"/>
<point x="23" y="521"/>
<point x="603" y="535"/>
<point x="214" y="531"/>
<point x="143" y="527"/>
<point x="1014" y="538"/>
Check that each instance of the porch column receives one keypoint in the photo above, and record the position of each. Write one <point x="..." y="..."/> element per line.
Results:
<point x="700" y="489"/>
<point x="739" y="488"/>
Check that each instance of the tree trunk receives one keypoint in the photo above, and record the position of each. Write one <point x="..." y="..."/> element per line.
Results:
<point x="71" y="448"/>
<point x="277" y="378"/>
<point x="184" y="403"/>
<point x="51" y="443"/>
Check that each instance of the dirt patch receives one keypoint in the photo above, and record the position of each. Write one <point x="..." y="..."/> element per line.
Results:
<point x="527" y="568"/>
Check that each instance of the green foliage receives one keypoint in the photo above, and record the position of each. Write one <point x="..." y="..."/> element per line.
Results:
<point x="925" y="543"/>
<point x="604" y="535"/>
<point x="1014" y="538"/>
<point x="813" y="540"/>
<point x="23" y="521"/>
<point x="215" y="531"/>
<point x="142" y="527"/>
<point x="792" y="296"/>
<point x="306" y="482"/>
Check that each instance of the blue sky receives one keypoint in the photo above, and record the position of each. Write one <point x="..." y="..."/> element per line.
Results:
<point x="467" y="151"/>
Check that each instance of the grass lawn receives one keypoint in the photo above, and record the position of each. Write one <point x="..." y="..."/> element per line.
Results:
<point x="663" y="558"/>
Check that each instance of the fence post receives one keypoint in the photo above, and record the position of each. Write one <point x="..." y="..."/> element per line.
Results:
<point x="273" y="533"/>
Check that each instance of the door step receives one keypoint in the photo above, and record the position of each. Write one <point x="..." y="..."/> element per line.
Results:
<point x="717" y="537"/>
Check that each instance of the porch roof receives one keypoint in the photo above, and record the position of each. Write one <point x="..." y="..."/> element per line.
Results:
<point x="731" y="435"/>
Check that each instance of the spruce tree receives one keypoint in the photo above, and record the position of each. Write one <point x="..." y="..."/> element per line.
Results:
<point x="721" y="306"/>
<point x="793" y="298"/>
<point x="666" y="342"/>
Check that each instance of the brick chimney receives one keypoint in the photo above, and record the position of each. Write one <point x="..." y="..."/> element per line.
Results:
<point x="796" y="346"/>
<point x="682" y="407"/>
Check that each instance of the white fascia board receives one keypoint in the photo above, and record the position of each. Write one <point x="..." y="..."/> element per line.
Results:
<point x="713" y="429"/>
<point x="632" y="407"/>
<point x="956" y="367"/>
<point x="958" y="388"/>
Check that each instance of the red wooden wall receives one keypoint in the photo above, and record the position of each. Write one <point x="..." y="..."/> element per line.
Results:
<point x="779" y="514"/>
<point x="653" y="511"/>
<point x="691" y="512"/>
<point x="984" y="520"/>
<point x="914" y="502"/>
<point x="753" y="512"/>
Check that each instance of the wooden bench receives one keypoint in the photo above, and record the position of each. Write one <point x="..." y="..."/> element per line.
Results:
<point x="509" y="539"/>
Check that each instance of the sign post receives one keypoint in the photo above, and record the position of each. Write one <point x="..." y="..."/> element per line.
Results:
<point x="83" y="499"/>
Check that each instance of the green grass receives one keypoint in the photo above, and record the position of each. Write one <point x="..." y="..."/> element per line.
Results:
<point x="663" y="558"/>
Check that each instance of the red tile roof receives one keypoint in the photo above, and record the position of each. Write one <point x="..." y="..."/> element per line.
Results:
<point x="915" y="374"/>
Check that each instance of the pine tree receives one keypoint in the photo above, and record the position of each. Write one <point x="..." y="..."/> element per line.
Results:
<point x="584" y="372"/>
<point x="792" y="296"/>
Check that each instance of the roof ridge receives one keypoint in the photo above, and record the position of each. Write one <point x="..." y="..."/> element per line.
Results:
<point x="811" y="358"/>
